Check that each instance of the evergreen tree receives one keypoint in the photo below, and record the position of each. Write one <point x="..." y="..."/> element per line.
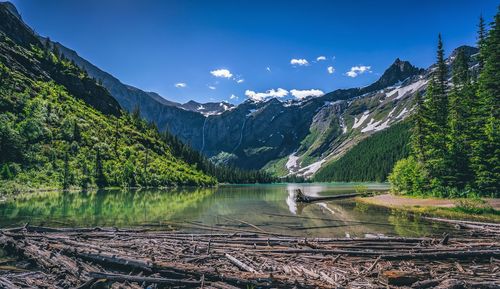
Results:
<point x="85" y="180"/>
<point x="486" y="147"/>
<point x="77" y="135"/>
<point x="419" y="131"/>
<point x="436" y="106"/>
<point x="99" y="171"/>
<point x="481" y="41"/>
<point x="460" y="98"/>
<point x="6" y="173"/>
<point x="66" y="173"/>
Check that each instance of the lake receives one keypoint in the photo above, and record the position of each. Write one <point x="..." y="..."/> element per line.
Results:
<point x="237" y="208"/>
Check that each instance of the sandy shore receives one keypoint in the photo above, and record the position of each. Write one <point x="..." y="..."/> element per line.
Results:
<point x="394" y="201"/>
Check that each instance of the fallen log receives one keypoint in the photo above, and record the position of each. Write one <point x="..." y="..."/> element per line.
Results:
<point x="466" y="224"/>
<point x="246" y="260"/>
<point x="239" y="264"/>
<point x="302" y="198"/>
<point x="111" y="259"/>
<point x="4" y="283"/>
<point x="66" y="268"/>
<point x="141" y="279"/>
<point x="476" y="254"/>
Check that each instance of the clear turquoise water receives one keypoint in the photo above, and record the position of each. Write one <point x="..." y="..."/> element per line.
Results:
<point x="232" y="207"/>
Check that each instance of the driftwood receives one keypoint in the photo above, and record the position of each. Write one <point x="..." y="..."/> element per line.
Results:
<point x="300" y="197"/>
<point x="4" y="283"/>
<point x="240" y="264"/>
<point x="106" y="257"/>
<point x="141" y="279"/>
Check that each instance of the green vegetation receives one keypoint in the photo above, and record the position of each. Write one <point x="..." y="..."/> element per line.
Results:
<point x="464" y="209"/>
<point x="60" y="129"/>
<point x="456" y="137"/>
<point x="475" y="206"/>
<point x="49" y="138"/>
<point x="370" y="160"/>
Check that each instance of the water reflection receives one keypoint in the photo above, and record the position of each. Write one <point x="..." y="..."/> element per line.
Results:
<point x="268" y="207"/>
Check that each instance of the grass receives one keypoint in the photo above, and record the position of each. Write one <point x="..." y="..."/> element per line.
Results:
<point x="465" y="209"/>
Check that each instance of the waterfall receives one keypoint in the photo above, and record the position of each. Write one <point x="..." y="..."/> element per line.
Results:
<point x="203" y="135"/>
<point x="241" y="135"/>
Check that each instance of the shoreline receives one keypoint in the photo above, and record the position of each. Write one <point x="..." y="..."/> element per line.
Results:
<point x="432" y="207"/>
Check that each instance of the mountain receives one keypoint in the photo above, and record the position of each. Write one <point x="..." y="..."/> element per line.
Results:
<point x="60" y="128"/>
<point x="290" y="137"/>
<point x="167" y="115"/>
<point x="293" y="136"/>
<point x="208" y="108"/>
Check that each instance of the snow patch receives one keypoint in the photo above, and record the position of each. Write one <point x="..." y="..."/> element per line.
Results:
<point x="310" y="169"/>
<point x="401" y="91"/>
<point x="376" y="125"/>
<point x="292" y="162"/>
<point x="359" y="122"/>
<point x="342" y="125"/>
<point x="402" y="113"/>
<point x="391" y="112"/>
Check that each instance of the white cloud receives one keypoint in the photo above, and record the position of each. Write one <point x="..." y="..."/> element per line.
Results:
<point x="321" y="58"/>
<point x="233" y="96"/>
<point x="301" y="94"/>
<point x="222" y="73"/>
<point x="260" y="96"/>
<point x="357" y="70"/>
<point x="300" y="62"/>
<point x="331" y="69"/>
<point x="212" y="87"/>
<point x="268" y="69"/>
<point x="180" y="85"/>
<point x="240" y="81"/>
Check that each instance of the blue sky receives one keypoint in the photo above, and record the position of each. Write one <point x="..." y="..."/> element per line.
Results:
<point x="155" y="45"/>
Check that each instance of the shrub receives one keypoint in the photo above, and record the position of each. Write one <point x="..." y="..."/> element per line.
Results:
<point x="407" y="177"/>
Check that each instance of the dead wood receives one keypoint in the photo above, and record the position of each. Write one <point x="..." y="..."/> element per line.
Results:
<point x="133" y="258"/>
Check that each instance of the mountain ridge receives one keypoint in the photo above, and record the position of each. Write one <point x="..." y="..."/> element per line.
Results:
<point x="61" y="129"/>
<point x="267" y="134"/>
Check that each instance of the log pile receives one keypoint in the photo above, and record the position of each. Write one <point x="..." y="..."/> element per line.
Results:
<point x="117" y="258"/>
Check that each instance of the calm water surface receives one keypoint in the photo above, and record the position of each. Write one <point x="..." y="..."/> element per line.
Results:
<point x="269" y="207"/>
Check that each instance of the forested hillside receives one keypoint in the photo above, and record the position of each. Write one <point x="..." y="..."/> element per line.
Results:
<point x="60" y="128"/>
<point x="456" y="137"/>
<point x="49" y="138"/>
<point x="370" y="160"/>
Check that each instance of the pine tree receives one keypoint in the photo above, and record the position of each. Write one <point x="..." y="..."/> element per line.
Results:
<point x="99" y="171"/>
<point x="460" y="98"/>
<point x="77" y="135"/>
<point x="481" y="41"/>
<point x="66" y="173"/>
<point x="436" y="106"/>
<point x="486" y="147"/>
<point x="6" y="173"/>
<point x="419" y="129"/>
<point x="85" y="180"/>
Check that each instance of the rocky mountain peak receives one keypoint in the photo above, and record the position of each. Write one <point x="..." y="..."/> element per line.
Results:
<point x="397" y="72"/>
<point x="11" y="8"/>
